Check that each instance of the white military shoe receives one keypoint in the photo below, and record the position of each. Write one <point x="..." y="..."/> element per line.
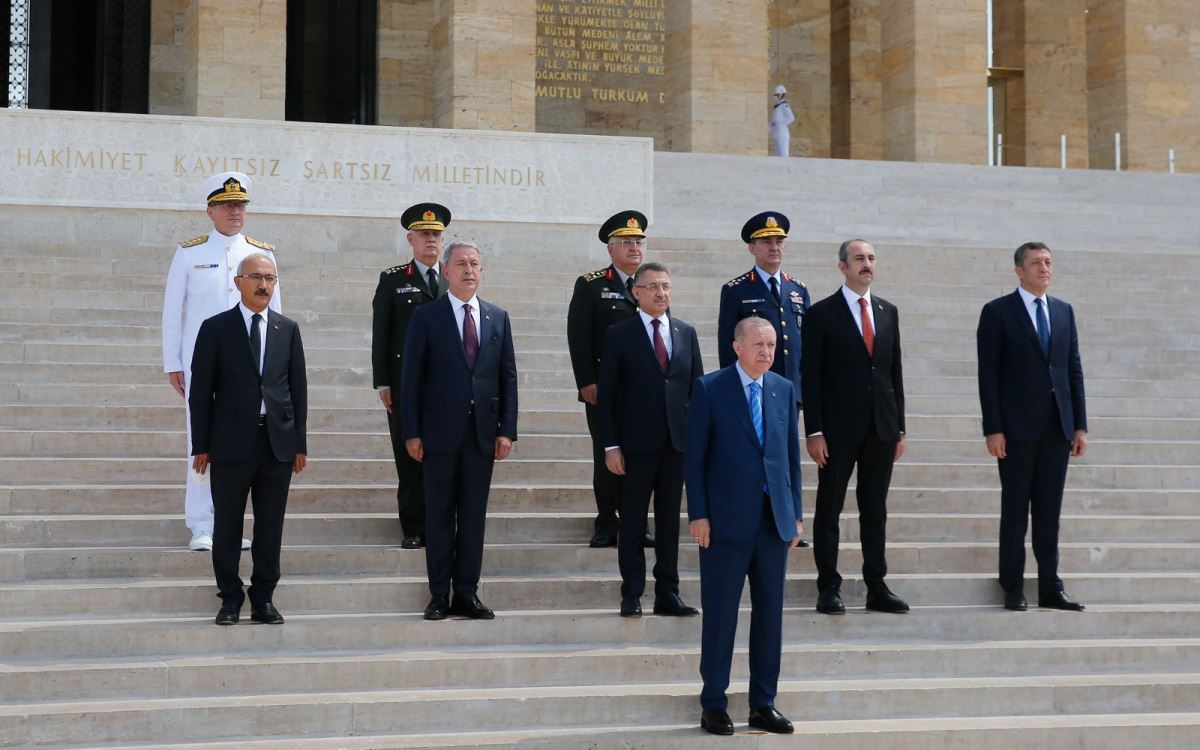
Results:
<point x="201" y="542"/>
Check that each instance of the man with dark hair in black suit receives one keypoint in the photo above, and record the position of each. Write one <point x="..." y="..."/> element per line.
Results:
<point x="401" y="290"/>
<point x="650" y="363"/>
<point x="459" y="399"/>
<point x="249" y="407"/>
<point x="1034" y="419"/>
<point x="853" y="416"/>
<point x="602" y="298"/>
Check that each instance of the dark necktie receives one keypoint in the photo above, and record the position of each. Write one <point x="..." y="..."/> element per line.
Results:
<point x="1043" y="326"/>
<point x="629" y="285"/>
<point x="470" y="337"/>
<point x="660" y="348"/>
<point x="775" y="291"/>
<point x="432" y="276"/>
<point x="868" y="329"/>
<point x="256" y="341"/>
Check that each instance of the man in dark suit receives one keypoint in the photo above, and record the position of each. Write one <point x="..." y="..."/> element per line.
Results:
<point x="249" y="406"/>
<point x="646" y="376"/>
<point x="401" y="290"/>
<point x="744" y="508"/>
<point x="765" y="291"/>
<point x="853" y="416"/>
<point x="1034" y="419"/>
<point x="602" y="298"/>
<point x="459" y="400"/>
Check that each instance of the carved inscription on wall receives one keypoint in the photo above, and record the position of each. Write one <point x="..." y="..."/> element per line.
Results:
<point x="600" y="66"/>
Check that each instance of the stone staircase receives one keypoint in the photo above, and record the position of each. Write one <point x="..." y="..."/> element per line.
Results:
<point x="106" y="635"/>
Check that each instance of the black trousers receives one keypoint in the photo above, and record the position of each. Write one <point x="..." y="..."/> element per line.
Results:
<point x="266" y="480"/>
<point x="659" y="473"/>
<point x="410" y="490"/>
<point x="874" y="459"/>
<point x="456" y="495"/>
<point x="605" y="485"/>
<point x="1032" y="477"/>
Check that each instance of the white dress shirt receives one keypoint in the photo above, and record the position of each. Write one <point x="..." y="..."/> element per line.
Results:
<point x="458" y="304"/>
<point x="746" y="381"/>
<point x="664" y="330"/>
<point x="852" y="298"/>
<point x="247" y="314"/>
<point x="424" y="271"/>
<point x="1031" y="307"/>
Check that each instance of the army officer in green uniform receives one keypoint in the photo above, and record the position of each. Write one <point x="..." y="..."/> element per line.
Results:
<point x="401" y="290"/>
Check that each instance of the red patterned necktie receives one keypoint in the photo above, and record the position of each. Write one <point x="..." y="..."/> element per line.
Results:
<point x="660" y="348"/>
<point x="470" y="337"/>
<point x="868" y="329"/>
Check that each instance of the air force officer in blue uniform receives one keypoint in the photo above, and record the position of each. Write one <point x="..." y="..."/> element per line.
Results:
<point x="765" y="291"/>
<point x="743" y="493"/>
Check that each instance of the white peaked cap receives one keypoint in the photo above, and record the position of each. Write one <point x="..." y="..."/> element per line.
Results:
<point x="217" y="183"/>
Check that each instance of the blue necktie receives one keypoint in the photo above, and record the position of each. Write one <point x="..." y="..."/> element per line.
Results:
<point x="756" y="412"/>
<point x="1043" y="326"/>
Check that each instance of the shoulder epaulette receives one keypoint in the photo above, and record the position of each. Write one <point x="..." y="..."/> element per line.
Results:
<point x="395" y="269"/>
<point x="195" y="241"/>
<point x="738" y="280"/>
<point x="593" y="275"/>
<point x="260" y="244"/>
<point x="794" y="280"/>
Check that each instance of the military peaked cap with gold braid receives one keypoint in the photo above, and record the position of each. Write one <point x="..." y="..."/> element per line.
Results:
<point x="624" y="224"/>
<point x="766" y="224"/>
<point x="425" y="216"/>
<point x="226" y="187"/>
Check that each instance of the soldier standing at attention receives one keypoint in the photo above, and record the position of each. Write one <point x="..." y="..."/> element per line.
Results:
<point x="765" y="291"/>
<point x="402" y="289"/>
<point x="200" y="285"/>
<point x="602" y="298"/>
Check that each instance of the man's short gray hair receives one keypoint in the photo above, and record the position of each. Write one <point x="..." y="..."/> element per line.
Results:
<point x="844" y="250"/>
<point x="648" y="267"/>
<point x="745" y="324"/>
<point x="449" y="251"/>
<point x="254" y="256"/>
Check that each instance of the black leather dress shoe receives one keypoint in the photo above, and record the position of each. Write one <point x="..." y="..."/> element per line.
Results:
<point x="229" y="614"/>
<point x="802" y="544"/>
<point x="716" y="721"/>
<point x="1015" y="600"/>
<point x="881" y="599"/>
<point x="673" y="606"/>
<point x="438" y="608"/>
<point x="601" y="540"/>
<point x="648" y="542"/>
<point x="1059" y="600"/>
<point x="266" y="614"/>
<point x="631" y="607"/>
<point x="468" y="605"/>
<point x="830" y="603"/>
<point x="413" y="541"/>
<point x="770" y="720"/>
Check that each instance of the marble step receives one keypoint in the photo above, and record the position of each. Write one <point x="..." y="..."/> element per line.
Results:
<point x="515" y="559"/>
<point x="365" y="712"/>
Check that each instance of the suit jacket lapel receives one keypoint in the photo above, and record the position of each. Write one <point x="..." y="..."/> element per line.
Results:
<point x="883" y="326"/>
<point x="450" y="323"/>
<point x="677" y="341"/>
<point x="615" y="285"/>
<point x="734" y="397"/>
<point x="486" y="327"/>
<point x="1022" y="313"/>
<point x="848" y="320"/>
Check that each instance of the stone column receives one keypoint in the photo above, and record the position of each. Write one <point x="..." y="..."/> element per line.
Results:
<point x="857" y="91"/>
<point x="169" y="59"/>
<point x="235" y="58"/>
<point x="800" y="60"/>
<point x="405" y="86"/>
<point x="484" y="56"/>
<point x="717" y="85"/>
<point x="1142" y="63"/>
<point x="934" y="76"/>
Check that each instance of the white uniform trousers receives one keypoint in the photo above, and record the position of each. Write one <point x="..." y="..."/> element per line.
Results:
<point x="197" y="498"/>
<point x="781" y="140"/>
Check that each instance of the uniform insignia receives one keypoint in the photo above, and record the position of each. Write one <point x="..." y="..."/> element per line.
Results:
<point x="632" y="223"/>
<point x="195" y="241"/>
<point x="260" y="244"/>
<point x="203" y="266"/>
<point x="738" y="280"/>
<point x="407" y="290"/>
<point x="752" y="276"/>
<point x="593" y="275"/>
<point x="771" y="222"/>
<point x="408" y="271"/>
<point x="608" y="274"/>
<point x="609" y="294"/>
<point x="394" y="269"/>
<point x="752" y="301"/>
<point x="428" y="216"/>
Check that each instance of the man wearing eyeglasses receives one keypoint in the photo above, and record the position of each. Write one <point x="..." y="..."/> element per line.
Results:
<point x="249" y="409"/>
<point x="201" y="284"/>
<point x="601" y="299"/>
<point x="650" y="363"/>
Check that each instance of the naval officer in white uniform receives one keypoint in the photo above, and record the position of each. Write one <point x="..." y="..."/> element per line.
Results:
<point x="199" y="286"/>
<point x="781" y="119"/>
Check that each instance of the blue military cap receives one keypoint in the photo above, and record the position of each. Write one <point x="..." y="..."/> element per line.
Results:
<point x="766" y="224"/>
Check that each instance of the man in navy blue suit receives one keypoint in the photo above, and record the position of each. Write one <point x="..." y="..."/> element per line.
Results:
<point x="459" y="400"/>
<point x="1034" y="419"/>
<point x="744" y="508"/>
<point x="650" y="362"/>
